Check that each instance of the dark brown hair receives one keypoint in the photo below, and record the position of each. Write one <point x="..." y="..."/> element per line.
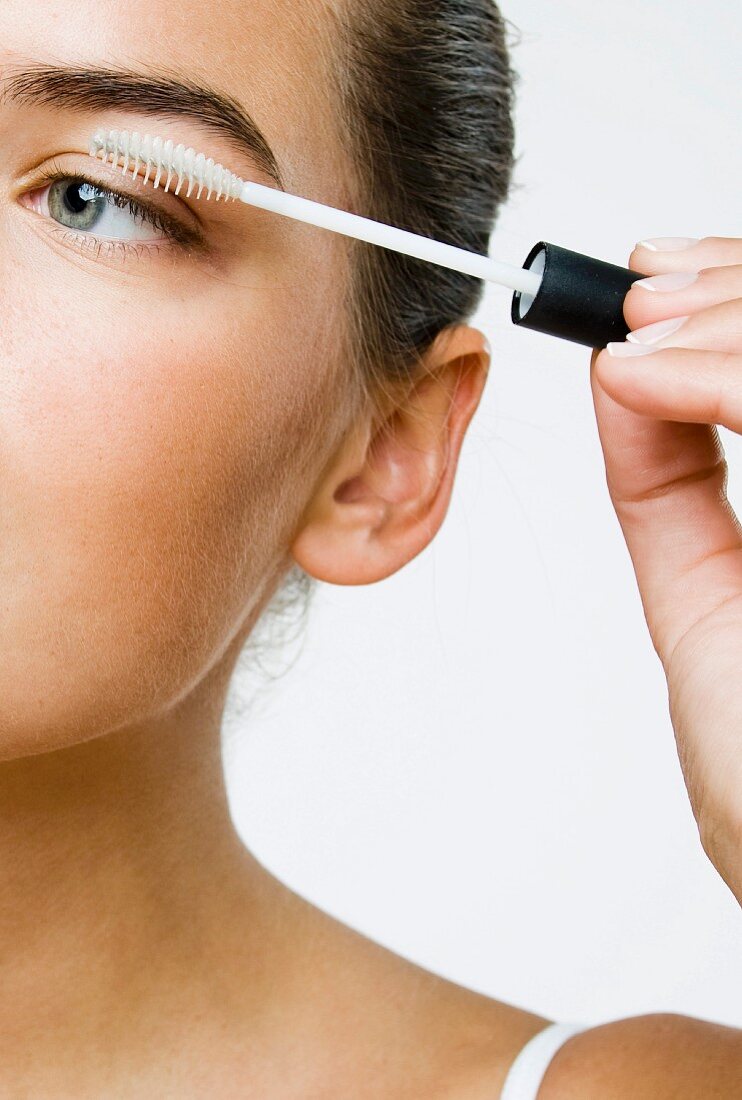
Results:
<point x="425" y="91"/>
<point x="426" y="99"/>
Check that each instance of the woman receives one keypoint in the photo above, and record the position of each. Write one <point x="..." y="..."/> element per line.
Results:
<point x="195" y="401"/>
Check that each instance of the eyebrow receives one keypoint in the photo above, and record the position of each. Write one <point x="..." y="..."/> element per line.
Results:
<point x="154" y="92"/>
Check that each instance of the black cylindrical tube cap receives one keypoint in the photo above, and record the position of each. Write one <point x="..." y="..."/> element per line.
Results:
<point x="580" y="298"/>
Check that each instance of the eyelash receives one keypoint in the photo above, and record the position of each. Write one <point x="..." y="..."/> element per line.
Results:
<point x="177" y="234"/>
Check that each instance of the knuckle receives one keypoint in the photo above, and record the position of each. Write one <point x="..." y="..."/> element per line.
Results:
<point x="728" y="405"/>
<point x="662" y="486"/>
<point x="721" y="839"/>
<point x="712" y="835"/>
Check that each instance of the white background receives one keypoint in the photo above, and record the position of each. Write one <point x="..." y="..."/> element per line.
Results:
<point x="472" y="762"/>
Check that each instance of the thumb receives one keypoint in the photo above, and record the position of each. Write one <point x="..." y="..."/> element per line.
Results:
<point x="667" y="482"/>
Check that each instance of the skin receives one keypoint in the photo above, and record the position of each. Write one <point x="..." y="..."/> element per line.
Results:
<point x="161" y="470"/>
<point x="667" y="478"/>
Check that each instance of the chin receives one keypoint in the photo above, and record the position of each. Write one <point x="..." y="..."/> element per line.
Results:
<point x="57" y="692"/>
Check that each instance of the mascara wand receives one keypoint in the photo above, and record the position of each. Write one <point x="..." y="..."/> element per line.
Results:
<point x="557" y="291"/>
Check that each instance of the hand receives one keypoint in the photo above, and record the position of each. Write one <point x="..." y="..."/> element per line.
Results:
<point x="667" y="476"/>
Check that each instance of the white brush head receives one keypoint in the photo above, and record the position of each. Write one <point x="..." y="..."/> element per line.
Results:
<point x="161" y="159"/>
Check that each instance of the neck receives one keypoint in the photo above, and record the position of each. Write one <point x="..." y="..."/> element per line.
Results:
<point x="122" y="880"/>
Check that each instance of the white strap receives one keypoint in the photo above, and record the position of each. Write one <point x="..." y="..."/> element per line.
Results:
<point x="529" y="1068"/>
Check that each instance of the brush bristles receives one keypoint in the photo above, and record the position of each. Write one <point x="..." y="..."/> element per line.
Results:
<point x="162" y="157"/>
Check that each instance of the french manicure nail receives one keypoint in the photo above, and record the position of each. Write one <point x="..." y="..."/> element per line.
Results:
<point x="668" y="244"/>
<point x="652" y="334"/>
<point x="625" y="351"/>
<point x="674" y="280"/>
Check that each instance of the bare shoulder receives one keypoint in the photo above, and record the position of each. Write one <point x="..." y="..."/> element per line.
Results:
<point x="662" y="1056"/>
<point x="372" y="1023"/>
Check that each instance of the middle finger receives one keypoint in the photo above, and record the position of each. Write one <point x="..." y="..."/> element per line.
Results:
<point x="716" y="328"/>
<point x="659" y="296"/>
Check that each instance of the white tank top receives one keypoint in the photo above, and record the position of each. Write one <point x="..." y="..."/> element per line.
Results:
<point x="529" y="1068"/>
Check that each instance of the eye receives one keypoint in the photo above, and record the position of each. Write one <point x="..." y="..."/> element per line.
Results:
<point x="86" y="207"/>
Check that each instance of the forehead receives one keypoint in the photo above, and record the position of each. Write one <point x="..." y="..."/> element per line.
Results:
<point x="274" y="56"/>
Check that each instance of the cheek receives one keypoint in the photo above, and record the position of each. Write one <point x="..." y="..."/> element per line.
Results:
<point x="146" y="491"/>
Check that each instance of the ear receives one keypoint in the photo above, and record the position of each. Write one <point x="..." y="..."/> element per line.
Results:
<point x="388" y="488"/>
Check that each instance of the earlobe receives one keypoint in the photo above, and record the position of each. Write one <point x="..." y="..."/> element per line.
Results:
<point x="381" y="503"/>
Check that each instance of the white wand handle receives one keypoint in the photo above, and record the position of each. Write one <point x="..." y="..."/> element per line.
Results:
<point x="388" y="236"/>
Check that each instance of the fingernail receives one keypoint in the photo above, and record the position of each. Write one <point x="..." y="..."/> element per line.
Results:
<point x="487" y="346"/>
<point x="625" y="351"/>
<point x="675" y="280"/>
<point x="668" y="244"/>
<point x="652" y="334"/>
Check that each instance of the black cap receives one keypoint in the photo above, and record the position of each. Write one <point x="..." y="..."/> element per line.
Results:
<point x="580" y="298"/>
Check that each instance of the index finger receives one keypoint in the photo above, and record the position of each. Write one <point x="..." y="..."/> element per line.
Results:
<point x="652" y="258"/>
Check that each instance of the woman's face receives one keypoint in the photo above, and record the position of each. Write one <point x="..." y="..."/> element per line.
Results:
<point x="158" y="400"/>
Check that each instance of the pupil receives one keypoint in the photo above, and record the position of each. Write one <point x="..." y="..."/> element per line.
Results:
<point x="77" y="196"/>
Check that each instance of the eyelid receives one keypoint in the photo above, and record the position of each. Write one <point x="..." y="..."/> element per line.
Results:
<point x="170" y="208"/>
<point x="107" y="248"/>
